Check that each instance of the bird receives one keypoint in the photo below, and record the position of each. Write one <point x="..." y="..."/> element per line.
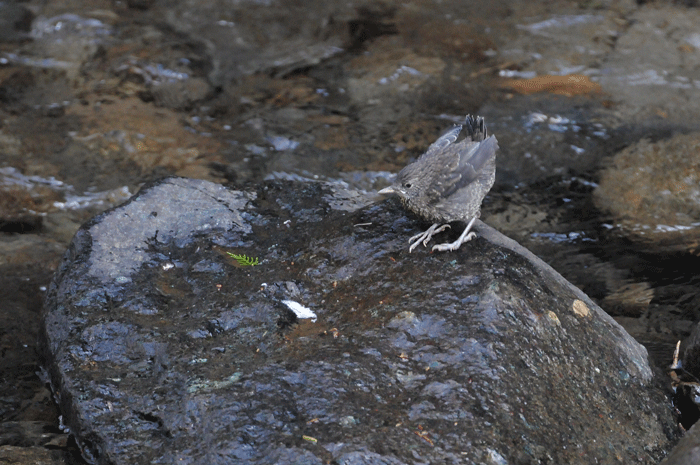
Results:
<point x="449" y="182"/>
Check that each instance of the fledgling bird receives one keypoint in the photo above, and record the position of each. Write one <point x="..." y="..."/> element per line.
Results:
<point x="449" y="182"/>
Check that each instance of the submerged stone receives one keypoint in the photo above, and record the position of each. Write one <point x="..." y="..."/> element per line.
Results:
<point x="163" y="348"/>
<point x="651" y="190"/>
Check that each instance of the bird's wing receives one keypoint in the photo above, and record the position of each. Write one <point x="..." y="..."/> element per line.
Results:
<point x="442" y="167"/>
<point x="445" y="139"/>
<point x="473" y="159"/>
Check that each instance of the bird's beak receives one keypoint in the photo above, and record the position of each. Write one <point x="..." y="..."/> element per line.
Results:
<point x="388" y="190"/>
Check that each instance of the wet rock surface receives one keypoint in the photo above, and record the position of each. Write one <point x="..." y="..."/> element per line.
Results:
<point x="163" y="348"/>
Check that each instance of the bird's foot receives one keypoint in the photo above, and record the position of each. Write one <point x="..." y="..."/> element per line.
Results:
<point x="465" y="237"/>
<point x="425" y="236"/>
<point x="450" y="246"/>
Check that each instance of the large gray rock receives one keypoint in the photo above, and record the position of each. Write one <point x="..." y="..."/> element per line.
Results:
<point x="163" y="349"/>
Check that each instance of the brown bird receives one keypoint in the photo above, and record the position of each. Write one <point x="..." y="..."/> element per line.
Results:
<point x="449" y="182"/>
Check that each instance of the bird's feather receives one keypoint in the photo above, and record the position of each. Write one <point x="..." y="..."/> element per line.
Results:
<point x="445" y="140"/>
<point x="458" y="166"/>
<point x="473" y="164"/>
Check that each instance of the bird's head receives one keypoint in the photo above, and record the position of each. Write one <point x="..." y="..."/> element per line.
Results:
<point x="408" y="185"/>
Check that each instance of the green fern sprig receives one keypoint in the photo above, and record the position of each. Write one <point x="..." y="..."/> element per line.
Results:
<point x="244" y="260"/>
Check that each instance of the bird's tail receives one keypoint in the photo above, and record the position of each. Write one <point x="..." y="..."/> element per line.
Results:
<point x="476" y="127"/>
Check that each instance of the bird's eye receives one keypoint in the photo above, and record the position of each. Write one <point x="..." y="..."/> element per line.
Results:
<point x="407" y="185"/>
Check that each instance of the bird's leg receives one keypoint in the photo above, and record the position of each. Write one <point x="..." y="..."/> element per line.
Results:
<point x="425" y="236"/>
<point x="465" y="237"/>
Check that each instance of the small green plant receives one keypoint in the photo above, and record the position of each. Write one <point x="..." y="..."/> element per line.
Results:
<point x="244" y="260"/>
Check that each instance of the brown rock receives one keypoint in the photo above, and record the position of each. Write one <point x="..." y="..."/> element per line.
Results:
<point x="652" y="191"/>
<point x="569" y="85"/>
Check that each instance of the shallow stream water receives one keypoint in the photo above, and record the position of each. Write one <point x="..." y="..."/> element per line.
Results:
<point x="98" y="97"/>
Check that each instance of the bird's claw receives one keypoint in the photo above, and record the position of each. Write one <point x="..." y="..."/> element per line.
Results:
<point x="425" y="236"/>
<point x="430" y="236"/>
<point x="466" y="236"/>
<point x="452" y="246"/>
